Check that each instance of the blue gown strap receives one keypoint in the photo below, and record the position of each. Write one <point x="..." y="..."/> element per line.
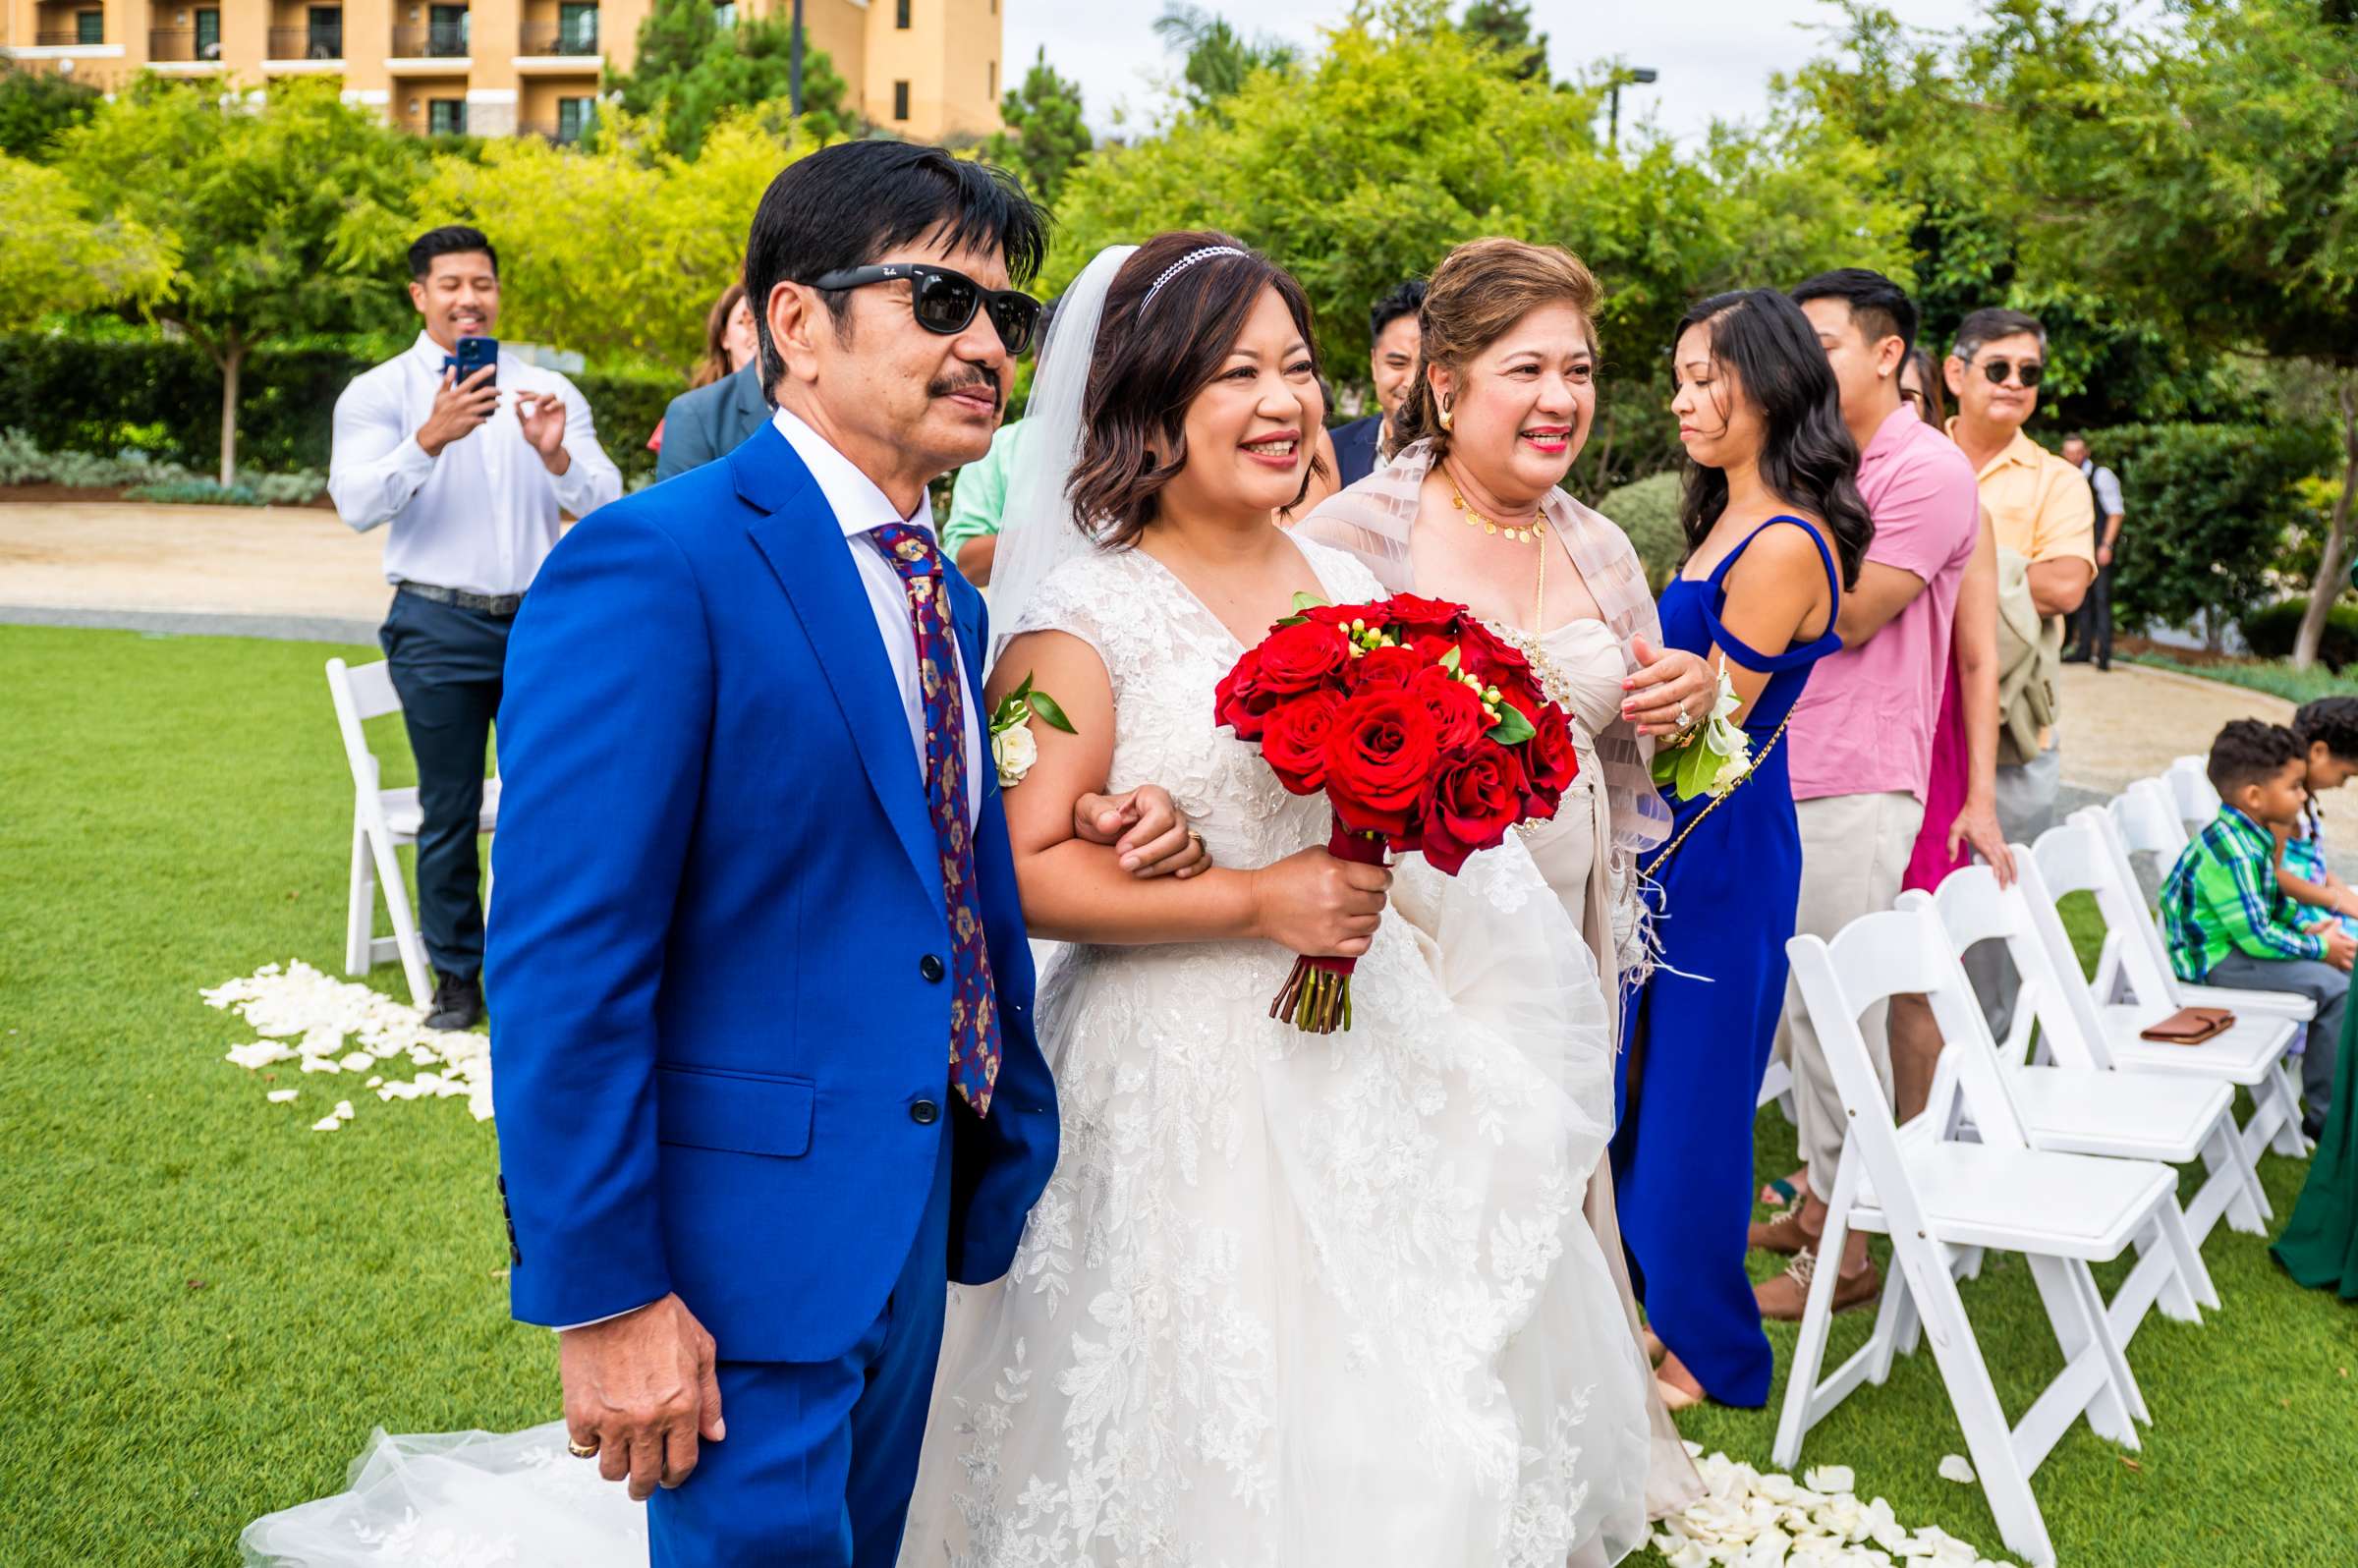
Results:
<point x="1751" y="658"/>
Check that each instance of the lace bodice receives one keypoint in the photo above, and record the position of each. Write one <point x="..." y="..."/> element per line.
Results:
<point x="1164" y="652"/>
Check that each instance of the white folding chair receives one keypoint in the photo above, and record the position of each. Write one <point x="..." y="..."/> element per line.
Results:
<point x="2081" y="856"/>
<point x="1776" y="1084"/>
<point x="2083" y="1105"/>
<point x="381" y="820"/>
<point x="2134" y="829"/>
<point x="1932" y="1197"/>
<point x="2190" y="786"/>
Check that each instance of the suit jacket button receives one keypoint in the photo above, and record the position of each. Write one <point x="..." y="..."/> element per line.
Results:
<point x="930" y="968"/>
<point x="925" y="1113"/>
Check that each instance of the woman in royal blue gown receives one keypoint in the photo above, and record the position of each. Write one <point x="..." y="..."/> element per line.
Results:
<point x="1776" y="530"/>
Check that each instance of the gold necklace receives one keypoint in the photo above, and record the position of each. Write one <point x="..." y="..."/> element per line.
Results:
<point x="1530" y="531"/>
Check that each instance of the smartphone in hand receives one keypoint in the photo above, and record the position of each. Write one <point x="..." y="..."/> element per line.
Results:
<point x="473" y="355"/>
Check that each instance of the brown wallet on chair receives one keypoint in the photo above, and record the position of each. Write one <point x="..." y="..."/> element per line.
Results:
<point x="2190" y="1025"/>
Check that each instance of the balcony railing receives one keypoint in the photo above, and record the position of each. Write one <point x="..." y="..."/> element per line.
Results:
<point x="555" y="37"/>
<point x="178" y="46"/>
<point x="438" y="41"/>
<point x="61" y="37"/>
<point x="307" y="43"/>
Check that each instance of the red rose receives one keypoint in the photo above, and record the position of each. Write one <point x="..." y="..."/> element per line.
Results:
<point x="1549" y="758"/>
<point x="1472" y="803"/>
<point x="1238" y="700"/>
<point x="1379" y="755"/>
<point x="1297" y="658"/>
<point x="1385" y="669"/>
<point x="1487" y="653"/>
<point x="1420" y="614"/>
<point x="1294" y="740"/>
<point x="1431" y="646"/>
<point x="1339" y="614"/>
<point x="1457" y="716"/>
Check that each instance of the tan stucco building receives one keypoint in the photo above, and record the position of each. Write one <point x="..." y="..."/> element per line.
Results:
<point x="925" y="68"/>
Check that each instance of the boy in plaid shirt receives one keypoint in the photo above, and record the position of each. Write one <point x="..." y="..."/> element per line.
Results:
<point x="2226" y="921"/>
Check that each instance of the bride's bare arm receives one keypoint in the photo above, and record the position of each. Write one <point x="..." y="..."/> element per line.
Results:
<point x="1076" y="891"/>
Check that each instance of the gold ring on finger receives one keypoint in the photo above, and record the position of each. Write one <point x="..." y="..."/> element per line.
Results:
<point x="581" y="1450"/>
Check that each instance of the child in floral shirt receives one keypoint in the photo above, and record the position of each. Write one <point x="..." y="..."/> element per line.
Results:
<point x="2227" y="921"/>
<point x="2327" y="730"/>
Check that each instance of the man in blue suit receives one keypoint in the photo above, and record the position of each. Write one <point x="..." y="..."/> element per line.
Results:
<point x="762" y="1034"/>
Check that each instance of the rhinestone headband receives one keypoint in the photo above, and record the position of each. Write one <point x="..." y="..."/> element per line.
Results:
<point x="1181" y="265"/>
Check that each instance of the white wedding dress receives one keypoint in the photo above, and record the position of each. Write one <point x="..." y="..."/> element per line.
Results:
<point x="1296" y="1301"/>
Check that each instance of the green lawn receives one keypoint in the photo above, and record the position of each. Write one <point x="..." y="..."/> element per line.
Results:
<point x="207" y="1305"/>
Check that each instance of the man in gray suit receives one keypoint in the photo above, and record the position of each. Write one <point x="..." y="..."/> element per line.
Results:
<point x="710" y="422"/>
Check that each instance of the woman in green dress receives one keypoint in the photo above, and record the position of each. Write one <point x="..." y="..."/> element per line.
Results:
<point x="2320" y="1244"/>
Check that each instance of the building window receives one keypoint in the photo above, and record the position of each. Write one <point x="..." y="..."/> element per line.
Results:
<point x="208" y="32"/>
<point x="724" y="15"/>
<point x="446" y="116"/>
<point x="447" y="34"/>
<point x="323" y="32"/>
<point x="900" y="100"/>
<point x="90" y="27"/>
<point x="577" y="28"/>
<point x="572" y="118"/>
<point x="900" y="15"/>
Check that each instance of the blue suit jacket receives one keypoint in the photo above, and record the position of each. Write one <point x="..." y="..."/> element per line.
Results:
<point x="717" y="882"/>
<point x="1354" y="449"/>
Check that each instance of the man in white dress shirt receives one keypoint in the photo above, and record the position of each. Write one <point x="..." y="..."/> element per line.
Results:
<point x="472" y="475"/>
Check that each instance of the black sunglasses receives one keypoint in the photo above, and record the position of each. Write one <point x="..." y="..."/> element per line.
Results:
<point x="2033" y="371"/>
<point x="945" y="302"/>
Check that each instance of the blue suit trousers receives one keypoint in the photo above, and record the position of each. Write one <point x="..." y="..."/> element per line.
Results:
<point x="820" y="1457"/>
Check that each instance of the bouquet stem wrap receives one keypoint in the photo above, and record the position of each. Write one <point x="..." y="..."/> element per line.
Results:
<point x="1317" y="994"/>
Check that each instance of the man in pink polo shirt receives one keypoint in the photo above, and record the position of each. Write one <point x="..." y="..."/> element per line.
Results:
<point x="1861" y="743"/>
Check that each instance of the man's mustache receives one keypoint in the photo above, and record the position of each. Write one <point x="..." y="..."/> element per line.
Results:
<point x="951" y="386"/>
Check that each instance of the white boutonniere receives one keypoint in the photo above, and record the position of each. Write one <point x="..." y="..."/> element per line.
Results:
<point x="1013" y="751"/>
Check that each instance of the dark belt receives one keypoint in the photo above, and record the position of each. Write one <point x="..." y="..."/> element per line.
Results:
<point x="501" y="605"/>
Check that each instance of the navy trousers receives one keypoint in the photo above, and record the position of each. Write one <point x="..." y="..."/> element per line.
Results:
<point x="820" y="1457"/>
<point x="447" y="664"/>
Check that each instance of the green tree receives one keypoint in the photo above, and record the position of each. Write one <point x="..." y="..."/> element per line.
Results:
<point x="59" y="259"/>
<point x="1507" y="26"/>
<point x="1408" y="136"/>
<point x="1045" y="135"/>
<point x="615" y="251"/>
<point x="1218" y="59"/>
<point x="36" y="106"/>
<point x="690" y="71"/>
<point x="265" y="204"/>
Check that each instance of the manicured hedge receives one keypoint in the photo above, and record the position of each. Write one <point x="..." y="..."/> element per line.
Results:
<point x="2271" y="632"/>
<point x="164" y="398"/>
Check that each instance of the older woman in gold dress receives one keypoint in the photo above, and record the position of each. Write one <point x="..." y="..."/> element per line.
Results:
<point x="1470" y="510"/>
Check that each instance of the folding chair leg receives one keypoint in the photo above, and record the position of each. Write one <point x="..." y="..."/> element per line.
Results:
<point x="405" y="922"/>
<point x="2116" y="1358"/>
<point x="2192" y="1273"/>
<point x="1816" y="1317"/>
<point x="1896" y="1325"/>
<point x="2083" y="1335"/>
<point x="2289" y="1139"/>
<point x="360" y="914"/>
<point x="2233" y="1190"/>
<point x="2005" y="1484"/>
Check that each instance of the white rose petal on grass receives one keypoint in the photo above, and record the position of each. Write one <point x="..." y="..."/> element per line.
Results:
<point x="1831" y="1479"/>
<point x="357" y="1062"/>
<point x="344" y="1109"/>
<point x="280" y="1096"/>
<point x="327" y="1123"/>
<point x="1954" y="1468"/>
<point x="320" y="1064"/>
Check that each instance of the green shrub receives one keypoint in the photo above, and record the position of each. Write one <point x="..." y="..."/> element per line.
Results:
<point x="139" y="475"/>
<point x="194" y="492"/>
<point x="73" y="394"/>
<point x="1648" y="510"/>
<point x="2210" y="509"/>
<point x="2271" y="632"/>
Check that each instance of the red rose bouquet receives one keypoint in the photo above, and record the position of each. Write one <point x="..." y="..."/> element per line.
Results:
<point x="1424" y="730"/>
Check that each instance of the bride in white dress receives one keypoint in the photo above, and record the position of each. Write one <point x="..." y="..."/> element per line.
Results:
<point x="1288" y="1300"/>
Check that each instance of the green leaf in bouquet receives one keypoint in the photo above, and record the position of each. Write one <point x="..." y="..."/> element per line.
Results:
<point x="1694" y="769"/>
<point x="1453" y="659"/>
<point x="1049" y="713"/>
<point x="1307" y="601"/>
<point x="1512" y="728"/>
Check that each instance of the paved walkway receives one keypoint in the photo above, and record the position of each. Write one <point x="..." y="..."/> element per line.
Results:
<point x="299" y="573"/>
<point x="293" y="572"/>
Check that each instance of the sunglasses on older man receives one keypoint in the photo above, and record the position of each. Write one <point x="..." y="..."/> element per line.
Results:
<point x="945" y="302"/>
<point x="2033" y="371"/>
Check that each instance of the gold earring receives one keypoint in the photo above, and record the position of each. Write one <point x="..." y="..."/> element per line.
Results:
<point x="1444" y="414"/>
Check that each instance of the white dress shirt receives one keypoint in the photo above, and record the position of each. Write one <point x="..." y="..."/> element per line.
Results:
<point x="483" y="515"/>
<point x="860" y="506"/>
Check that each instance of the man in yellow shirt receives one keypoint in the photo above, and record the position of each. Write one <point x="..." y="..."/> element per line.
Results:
<point x="2041" y="511"/>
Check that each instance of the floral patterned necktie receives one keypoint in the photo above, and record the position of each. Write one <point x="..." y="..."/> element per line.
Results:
<point x="974" y="1007"/>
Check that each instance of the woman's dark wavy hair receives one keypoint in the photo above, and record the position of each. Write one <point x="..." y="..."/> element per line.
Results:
<point x="1151" y="362"/>
<point x="1808" y="459"/>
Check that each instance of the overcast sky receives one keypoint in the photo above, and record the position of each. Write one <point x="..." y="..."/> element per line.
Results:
<point x="1714" y="56"/>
